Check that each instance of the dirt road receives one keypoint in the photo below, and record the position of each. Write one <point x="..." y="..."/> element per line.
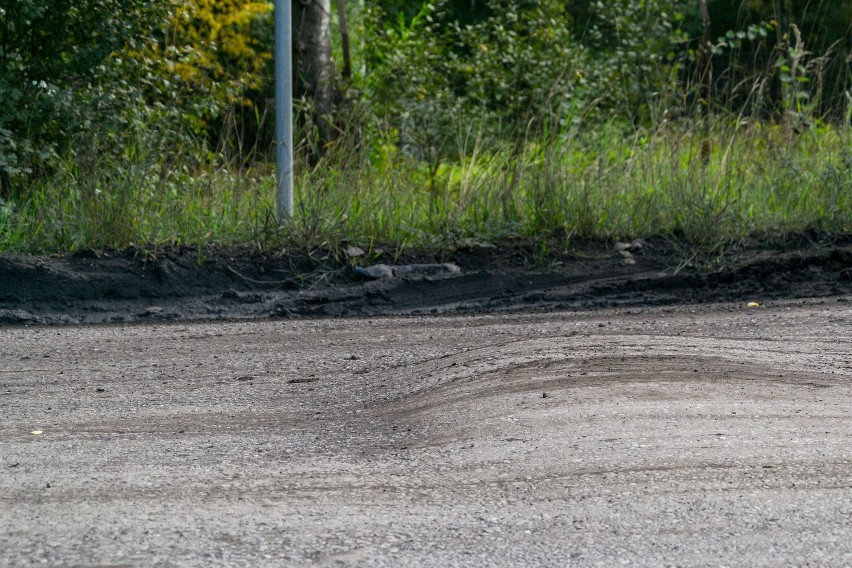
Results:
<point x="715" y="435"/>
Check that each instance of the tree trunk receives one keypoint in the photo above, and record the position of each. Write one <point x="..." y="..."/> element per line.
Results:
<point x="344" y="39"/>
<point x="781" y="45"/>
<point x="312" y="65"/>
<point x="705" y="78"/>
<point x="5" y="186"/>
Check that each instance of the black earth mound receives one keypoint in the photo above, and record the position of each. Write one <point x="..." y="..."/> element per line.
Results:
<point x="188" y="284"/>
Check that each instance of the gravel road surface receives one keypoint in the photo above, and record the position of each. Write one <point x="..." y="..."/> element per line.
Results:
<point x="714" y="435"/>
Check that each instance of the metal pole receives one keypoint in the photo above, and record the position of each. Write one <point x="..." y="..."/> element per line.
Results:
<point x="284" y="108"/>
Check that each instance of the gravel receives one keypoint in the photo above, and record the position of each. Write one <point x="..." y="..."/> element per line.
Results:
<point x="714" y="435"/>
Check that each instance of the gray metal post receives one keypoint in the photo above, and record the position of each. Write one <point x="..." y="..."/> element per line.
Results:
<point x="284" y="108"/>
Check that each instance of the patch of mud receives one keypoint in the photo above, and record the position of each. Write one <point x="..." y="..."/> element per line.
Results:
<point x="188" y="284"/>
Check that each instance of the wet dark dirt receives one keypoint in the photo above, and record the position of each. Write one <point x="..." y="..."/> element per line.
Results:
<point x="216" y="283"/>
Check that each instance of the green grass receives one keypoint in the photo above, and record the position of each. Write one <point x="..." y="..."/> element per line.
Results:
<point x="760" y="180"/>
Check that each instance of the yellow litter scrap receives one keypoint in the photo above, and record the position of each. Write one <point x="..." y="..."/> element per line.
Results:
<point x="36" y="432"/>
<point x="753" y="305"/>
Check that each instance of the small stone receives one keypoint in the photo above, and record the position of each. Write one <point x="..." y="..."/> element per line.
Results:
<point x="636" y="244"/>
<point x="374" y="272"/>
<point x="353" y="251"/>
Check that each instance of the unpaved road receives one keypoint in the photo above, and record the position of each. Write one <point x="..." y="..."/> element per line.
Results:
<point x="712" y="435"/>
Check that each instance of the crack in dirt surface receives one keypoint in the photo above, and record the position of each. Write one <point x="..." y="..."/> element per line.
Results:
<point x="188" y="284"/>
<point x="700" y="435"/>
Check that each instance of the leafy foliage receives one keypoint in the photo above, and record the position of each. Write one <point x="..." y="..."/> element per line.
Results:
<point x="52" y="54"/>
<point x="77" y="77"/>
<point x="219" y="47"/>
<point x="750" y="63"/>
<point x="120" y="119"/>
<point x="636" y="47"/>
<point x="518" y="65"/>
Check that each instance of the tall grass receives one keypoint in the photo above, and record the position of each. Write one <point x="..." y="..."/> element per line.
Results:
<point x="760" y="180"/>
<point x="603" y="185"/>
<point x="144" y="199"/>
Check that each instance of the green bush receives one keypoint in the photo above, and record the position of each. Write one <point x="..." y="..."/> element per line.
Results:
<point x="519" y="64"/>
<point x="54" y="59"/>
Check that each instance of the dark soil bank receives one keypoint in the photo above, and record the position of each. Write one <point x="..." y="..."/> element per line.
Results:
<point x="181" y="283"/>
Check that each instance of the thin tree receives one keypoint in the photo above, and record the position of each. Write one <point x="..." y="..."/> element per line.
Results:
<point x="344" y="39"/>
<point x="705" y="78"/>
<point x="313" y="66"/>
<point x="781" y="44"/>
